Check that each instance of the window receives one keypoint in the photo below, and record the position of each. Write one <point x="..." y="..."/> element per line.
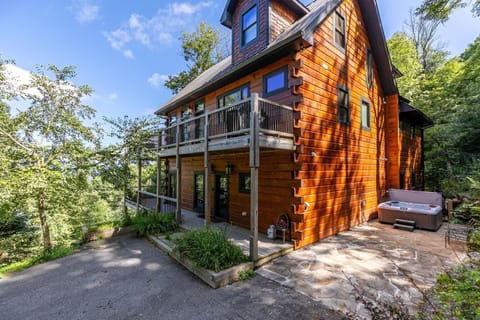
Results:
<point x="244" y="182"/>
<point x="172" y="184"/>
<point x="234" y="96"/>
<point x="275" y="81"/>
<point x="249" y="25"/>
<point x="199" y="194"/>
<point x="369" y="68"/>
<point x="339" y="30"/>
<point x="365" y="114"/>
<point x="172" y="120"/>
<point x="343" y="106"/>
<point x="412" y="130"/>
<point x="199" y="107"/>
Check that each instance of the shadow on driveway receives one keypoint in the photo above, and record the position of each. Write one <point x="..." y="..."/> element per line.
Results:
<point x="127" y="278"/>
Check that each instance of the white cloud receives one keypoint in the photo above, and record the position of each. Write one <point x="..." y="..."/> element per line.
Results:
<point x="128" y="54"/>
<point x="84" y="11"/>
<point x="188" y="8"/>
<point x="156" y="80"/>
<point x="160" y="29"/>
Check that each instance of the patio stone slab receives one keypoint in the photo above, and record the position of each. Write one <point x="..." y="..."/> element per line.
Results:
<point x="382" y="261"/>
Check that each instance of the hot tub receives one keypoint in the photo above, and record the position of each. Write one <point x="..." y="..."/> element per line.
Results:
<point x="425" y="208"/>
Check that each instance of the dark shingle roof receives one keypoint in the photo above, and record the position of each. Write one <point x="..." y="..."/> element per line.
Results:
<point x="303" y="28"/>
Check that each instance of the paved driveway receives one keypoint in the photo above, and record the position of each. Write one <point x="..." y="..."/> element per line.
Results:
<point x="127" y="278"/>
<point x="387" y="263"/>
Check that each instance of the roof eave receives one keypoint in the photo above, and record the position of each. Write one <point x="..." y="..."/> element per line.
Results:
<point x="238" y="69"/>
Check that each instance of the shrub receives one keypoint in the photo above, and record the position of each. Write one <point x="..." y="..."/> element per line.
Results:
<point x="57" y="252"/>
<point x="19" y="246"/>
<point x="209" y="249"/>
<point x="154" y="223"/>
<point x="456" y="294"/>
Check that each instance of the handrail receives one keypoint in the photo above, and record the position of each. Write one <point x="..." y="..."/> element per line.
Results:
<point x="229" y="121"/>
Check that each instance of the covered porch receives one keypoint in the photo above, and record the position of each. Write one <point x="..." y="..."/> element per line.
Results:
<point x="248" y="128"/>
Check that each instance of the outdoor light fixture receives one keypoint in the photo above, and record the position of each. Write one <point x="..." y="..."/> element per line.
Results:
<point x="228" y="169"/>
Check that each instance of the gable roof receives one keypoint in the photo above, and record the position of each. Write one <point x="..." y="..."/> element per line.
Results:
<point x="303" y="29"/>
<point x="226" y="19"/>
<point x="413" y="114"/>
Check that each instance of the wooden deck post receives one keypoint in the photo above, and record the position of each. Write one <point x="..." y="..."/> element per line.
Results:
<point x="139" y="181"/>
<point x="179" y="177"/>
<point x="159" y="172"/>
<point x="206" y="177"/>
<point x="254" y="164"/>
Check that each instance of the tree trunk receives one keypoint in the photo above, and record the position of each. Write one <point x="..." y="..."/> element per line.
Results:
<point x="47" y="244"/>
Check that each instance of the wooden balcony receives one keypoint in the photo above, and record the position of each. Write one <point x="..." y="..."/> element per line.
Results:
<point x="229" y="128"/>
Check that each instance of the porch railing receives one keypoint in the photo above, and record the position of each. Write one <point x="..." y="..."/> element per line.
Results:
<point x="227" y="122"/>
<point x="150" y="201"/>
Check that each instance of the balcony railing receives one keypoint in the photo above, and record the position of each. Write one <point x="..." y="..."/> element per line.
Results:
<point x="148" y="201"/>
<point x="228" y="122"/>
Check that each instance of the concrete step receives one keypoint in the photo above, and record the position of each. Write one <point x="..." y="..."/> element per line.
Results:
<point x="403" y="227"/>
<point x="405" y="222"/>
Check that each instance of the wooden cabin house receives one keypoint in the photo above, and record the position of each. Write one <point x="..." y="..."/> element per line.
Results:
<point x="303" y="119"/>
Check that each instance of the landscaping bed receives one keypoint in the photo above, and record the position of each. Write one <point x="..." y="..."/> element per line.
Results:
<point x="200" y="251"/>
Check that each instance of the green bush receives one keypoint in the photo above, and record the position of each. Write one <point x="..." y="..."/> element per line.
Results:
<point x="57" y="252"/>
<point x="154" y="223"/>
<point x="209" y="249"/>
<point x="19" y="246"/>
<point x="458" y="293"/>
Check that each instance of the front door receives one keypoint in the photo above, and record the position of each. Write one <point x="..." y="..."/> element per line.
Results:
<point x="221" y="196"/>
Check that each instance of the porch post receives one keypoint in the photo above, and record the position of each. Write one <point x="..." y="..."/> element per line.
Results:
<point x="159" y="172"/>
<point x="254" y="164"/>
<point x="179" y="177"/>
<point x="139" y="181"/>
<point x="206" y="177"/>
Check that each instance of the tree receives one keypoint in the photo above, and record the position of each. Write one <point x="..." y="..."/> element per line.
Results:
<point x="440" y="10"/>
<point x="423" y="33"/>
<point x="201" y="50"/>
<point x="45" y="144"/>
<point x="132" y="135"/>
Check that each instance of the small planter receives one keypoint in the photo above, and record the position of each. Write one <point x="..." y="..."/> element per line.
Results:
<point x="212" y="278"/>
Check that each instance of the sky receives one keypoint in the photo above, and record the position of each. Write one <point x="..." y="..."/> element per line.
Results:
<point x="124" y="50"/>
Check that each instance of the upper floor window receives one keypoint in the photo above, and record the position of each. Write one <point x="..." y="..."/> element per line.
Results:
<point x="199" y="107"/>
<point x="365" y="114"/>
<point x="275" y="81"/>
<point x="172" y="120"/>
<point x="249" y="25"/>
<point x="339" y="30"/>
<point x="343" y="105"/>
<point x="369" y="68"/>
<point x="234" y="96"/>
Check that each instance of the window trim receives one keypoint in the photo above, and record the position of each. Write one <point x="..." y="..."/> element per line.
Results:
<point x="369" y="69"/>
<point x="241" y="187"/>
<point x="242" y="30"/>
<point x="223" y="95"/>
<point x="347" y="91"/>
<point x="369" y="118"/>
<point x="337" y="45"/>
<point x="280" y="70"/>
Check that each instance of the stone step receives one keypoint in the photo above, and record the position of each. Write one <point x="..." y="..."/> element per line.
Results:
<point x="403" y="227"/>
<point x="405" y="222"/>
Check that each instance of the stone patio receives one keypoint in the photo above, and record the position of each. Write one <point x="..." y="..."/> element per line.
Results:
<point x="384" y="262"/>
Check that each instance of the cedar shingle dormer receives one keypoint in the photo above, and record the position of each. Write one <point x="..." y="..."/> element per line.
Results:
<point x="255" y="23"/>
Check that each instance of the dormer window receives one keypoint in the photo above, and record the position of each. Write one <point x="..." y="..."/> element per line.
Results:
<point x="249" y="25"/>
